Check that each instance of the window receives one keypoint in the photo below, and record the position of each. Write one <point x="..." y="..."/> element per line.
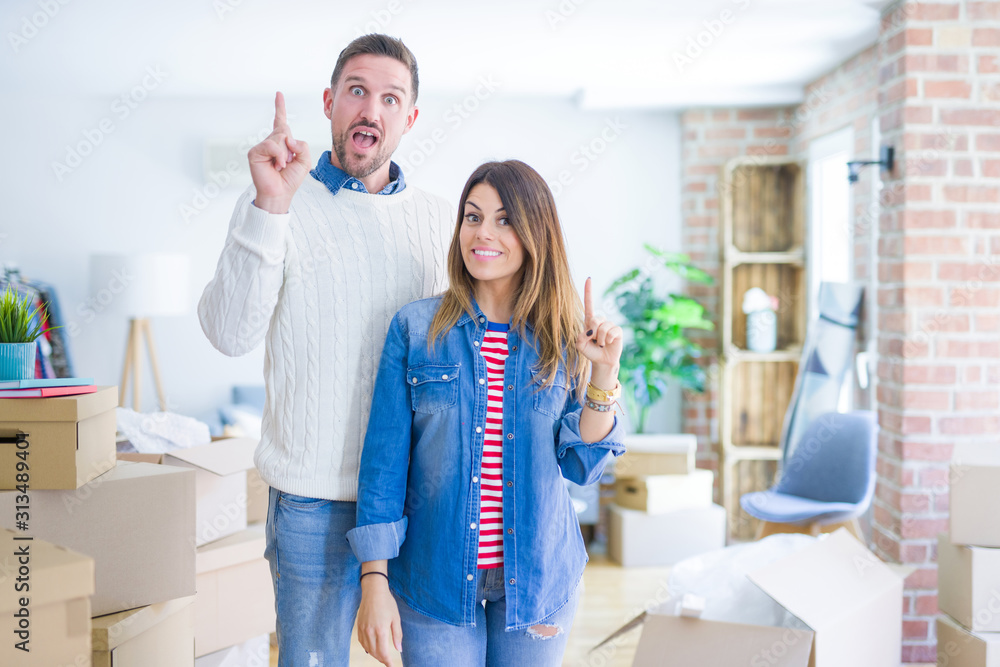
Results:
<point x="830" y="249"/>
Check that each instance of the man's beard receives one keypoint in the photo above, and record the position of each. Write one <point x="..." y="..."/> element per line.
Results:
<point x="356" y="169"/>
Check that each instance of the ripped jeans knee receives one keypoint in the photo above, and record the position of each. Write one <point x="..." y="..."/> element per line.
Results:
<point x="544" y="631"/>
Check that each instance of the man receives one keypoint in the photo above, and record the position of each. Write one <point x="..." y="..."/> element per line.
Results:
<point x="316" y="263"/>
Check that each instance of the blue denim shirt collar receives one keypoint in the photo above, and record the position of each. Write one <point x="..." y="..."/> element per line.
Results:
<point x="465" y="318"/>
<point x="335" y="178"/>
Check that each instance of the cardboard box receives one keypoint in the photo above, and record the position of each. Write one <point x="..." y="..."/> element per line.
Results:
<point x="656" y="454"/>
<point x="959" y="647"/>
<point x="254" y="652"/>
<point x="60" y="583"/>
<point x="676" y="641"/>
<point x="969" y="584"/>
<point x="258" y="493"/>
<point x="850" y="601"/>
<point x="235" y="600"/>
<point x="638" y="539"/>
<point x="136" y="521"/>
<point x="70" y="439"/>
<point x="974" y="504"/>
<point x="159" y="635"/>
<point x="220" y="482"/>
<point x="658" y="494"/>
<point x="257" y="489"/>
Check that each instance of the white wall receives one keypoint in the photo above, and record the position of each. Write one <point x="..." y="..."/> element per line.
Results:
<point x="127" y="194"/>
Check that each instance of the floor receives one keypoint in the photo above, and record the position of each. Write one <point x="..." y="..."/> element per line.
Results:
<point x="612" y="595"/>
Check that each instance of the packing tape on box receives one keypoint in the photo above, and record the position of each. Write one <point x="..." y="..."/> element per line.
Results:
<point x="691" y="606"/>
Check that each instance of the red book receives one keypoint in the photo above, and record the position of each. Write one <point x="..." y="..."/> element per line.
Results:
<point x="47" y="392"/>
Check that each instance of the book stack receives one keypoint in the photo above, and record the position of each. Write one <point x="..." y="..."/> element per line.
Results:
<point x="968" y="630"/>
<point x="46" y="388"/>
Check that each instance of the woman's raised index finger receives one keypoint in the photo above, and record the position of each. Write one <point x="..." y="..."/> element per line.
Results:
<point x="588" y="306"/>
<point x="279" y="110"/>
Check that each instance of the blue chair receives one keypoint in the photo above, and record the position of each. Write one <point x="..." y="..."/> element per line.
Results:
<point x="827" y="482"/>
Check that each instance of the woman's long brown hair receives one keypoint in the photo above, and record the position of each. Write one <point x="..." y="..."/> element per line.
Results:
<point x="545" y="296"/>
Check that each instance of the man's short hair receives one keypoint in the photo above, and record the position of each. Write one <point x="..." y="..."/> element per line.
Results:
<point x="378" y="45"/>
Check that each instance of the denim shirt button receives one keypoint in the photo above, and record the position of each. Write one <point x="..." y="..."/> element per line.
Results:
<point x="482" y="381"/>
<point x="482" y="319"/>
<point x="512" y="581"/>
<point x="476" y="343"/>
<point x="510" y="436"/>
<point x="475" y="479"/>
<point x="510" y="531"/>
<point x="472" y="525"/>
<point x="510" y="483"/>
<point x="469" y="577"/>
<point x="479" y="429"/>
<point x="444" y="377"/>
<point x="510" y="387"/>
<point x="514" y="348"/>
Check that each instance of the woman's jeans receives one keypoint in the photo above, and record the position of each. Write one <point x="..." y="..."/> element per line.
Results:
<point x="432" y="643"/>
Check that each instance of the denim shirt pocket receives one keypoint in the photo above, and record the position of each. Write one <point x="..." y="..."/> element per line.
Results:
<point x="550" y="401"/>
<point x="433" y="387"/>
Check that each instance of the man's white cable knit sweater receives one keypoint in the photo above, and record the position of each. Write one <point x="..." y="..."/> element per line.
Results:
<point x="320" y="285"/>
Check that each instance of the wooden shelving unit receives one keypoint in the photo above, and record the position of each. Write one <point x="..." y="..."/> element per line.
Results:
<point x="762" y="245"/>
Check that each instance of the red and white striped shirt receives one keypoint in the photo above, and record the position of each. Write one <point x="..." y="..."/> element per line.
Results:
<point x="494" y="351"/>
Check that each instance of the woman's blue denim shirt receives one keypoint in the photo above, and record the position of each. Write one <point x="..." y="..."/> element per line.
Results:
<point x="418" y="490"/>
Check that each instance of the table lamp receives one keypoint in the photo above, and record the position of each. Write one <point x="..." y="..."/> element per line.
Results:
<point x="141" y="286"/>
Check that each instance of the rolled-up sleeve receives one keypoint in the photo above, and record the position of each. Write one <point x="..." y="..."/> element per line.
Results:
<point x="583" y="462"/>
<point x="377" y="541"/>
<point x="385" y="459"/>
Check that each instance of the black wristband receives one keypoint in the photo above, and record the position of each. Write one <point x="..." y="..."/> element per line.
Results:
<point x="374" y="572"/>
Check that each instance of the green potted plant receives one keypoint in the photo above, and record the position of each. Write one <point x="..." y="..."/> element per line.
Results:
<point x="20" y="327"/>
<point x="657" y="351"/>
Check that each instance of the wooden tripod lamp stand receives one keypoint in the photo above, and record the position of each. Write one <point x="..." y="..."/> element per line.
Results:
<point x="140" y="287"/>
<point x="139" y="330"/>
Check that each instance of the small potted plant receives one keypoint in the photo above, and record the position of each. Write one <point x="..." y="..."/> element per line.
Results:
<point x="657" y="351"/>
<point x="20" y="327"/>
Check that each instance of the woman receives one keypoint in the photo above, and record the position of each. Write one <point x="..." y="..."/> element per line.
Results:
<point x="475" y="420"/>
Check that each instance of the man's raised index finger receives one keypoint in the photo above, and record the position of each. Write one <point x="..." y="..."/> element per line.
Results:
<point x="279" y="110"/>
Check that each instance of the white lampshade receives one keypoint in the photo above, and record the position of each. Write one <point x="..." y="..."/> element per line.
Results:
<point x="141" y="285"/>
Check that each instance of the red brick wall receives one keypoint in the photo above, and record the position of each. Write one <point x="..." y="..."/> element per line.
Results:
<point x="939" y="350"/>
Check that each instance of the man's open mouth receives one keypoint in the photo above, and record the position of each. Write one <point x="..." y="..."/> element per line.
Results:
<point x="364" y="139"/>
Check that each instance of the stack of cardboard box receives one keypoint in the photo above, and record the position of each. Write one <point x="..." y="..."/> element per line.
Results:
<point x="663" y="510"/>
<point x="44" y="602"/>
<point x="234" y="606"/>
<point x="133" y="524"/>
<point x="968" y="631"/>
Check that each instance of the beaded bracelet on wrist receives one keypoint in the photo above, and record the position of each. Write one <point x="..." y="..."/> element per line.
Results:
<point x="599" y="407"/>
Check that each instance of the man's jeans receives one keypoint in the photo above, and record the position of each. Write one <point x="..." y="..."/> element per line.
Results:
<point x="431" y="643"/>
<point x="315" y="577"/>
